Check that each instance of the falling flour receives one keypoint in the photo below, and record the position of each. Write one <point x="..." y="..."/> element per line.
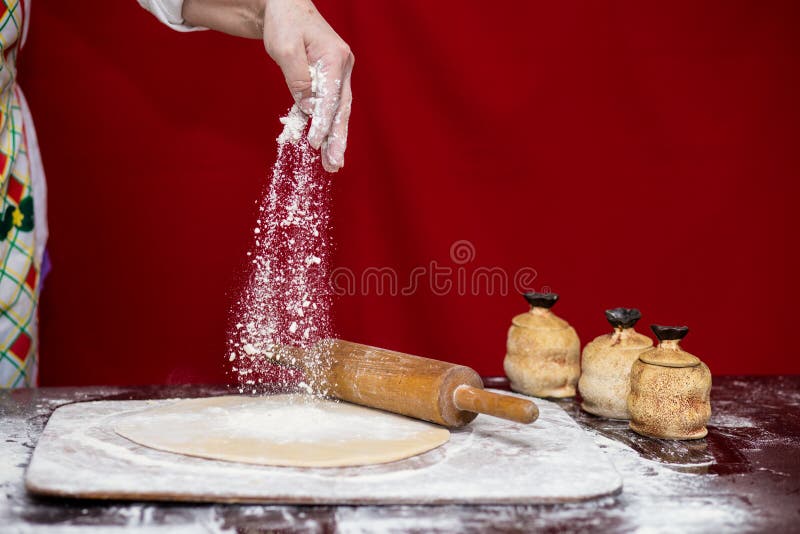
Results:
<point x="286" y="301"/>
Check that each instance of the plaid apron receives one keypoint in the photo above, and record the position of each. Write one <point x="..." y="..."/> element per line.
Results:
<point x="21" y="245"/>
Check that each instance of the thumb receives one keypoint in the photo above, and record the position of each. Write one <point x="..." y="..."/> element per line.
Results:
<point x="294" y="63"/>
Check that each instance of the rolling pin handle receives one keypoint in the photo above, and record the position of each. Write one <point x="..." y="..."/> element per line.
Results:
<point x="478" y="400"/>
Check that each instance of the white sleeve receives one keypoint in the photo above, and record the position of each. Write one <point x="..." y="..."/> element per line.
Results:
<point x="169" y="12"/>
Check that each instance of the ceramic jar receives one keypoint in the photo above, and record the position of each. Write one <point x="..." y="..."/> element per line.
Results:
<point x="670" y="389"/>
<point x="606" y="365"/>
<point x="543" y="351"/>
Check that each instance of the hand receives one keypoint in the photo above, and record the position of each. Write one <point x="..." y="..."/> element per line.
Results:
<point x="297" y="37"/>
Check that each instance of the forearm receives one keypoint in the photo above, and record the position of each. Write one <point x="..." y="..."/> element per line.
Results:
<point x="243" y="18"/>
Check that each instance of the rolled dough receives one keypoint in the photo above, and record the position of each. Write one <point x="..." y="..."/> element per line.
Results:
<point x="282" y="430"/>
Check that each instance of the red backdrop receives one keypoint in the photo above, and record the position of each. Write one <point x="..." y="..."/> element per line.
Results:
<point x="636" y="155"/>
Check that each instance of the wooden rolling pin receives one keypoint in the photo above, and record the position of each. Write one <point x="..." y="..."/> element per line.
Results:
<point x="440" y="392"/>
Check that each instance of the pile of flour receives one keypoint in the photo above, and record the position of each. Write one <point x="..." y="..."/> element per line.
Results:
<point x="287" y="299"/>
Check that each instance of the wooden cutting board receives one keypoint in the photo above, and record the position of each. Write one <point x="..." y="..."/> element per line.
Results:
<point x="490" y="461"/>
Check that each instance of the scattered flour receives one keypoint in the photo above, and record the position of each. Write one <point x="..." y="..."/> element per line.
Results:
<point x="731" y="421"/>
<point x="691" y="507"/>
<point x="655" y="497"/>
<point x="286" y="302"/>
<point x="80" y="453"/>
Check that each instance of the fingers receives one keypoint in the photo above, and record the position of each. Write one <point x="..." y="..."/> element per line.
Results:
<point x="293" y="62"/>
<point x="333" y="73"/>
<point x="318" y="75"/>
<point x="335" y="144"/>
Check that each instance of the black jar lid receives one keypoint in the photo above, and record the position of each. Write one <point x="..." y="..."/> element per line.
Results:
<point x="669" y="333"/>
<point x="623" y="317"/>
<point x="541" y="300"/>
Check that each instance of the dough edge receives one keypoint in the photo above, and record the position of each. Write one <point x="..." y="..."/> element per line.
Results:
<point x="352" y="453"/>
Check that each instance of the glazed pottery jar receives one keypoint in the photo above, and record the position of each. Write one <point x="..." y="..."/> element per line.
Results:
<point x="606" y="365"/>
<point x="543" y="351"/>
<point x="670" y="389"/>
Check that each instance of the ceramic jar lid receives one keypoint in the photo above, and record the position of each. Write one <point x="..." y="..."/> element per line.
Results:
<point x="668" y="353"/>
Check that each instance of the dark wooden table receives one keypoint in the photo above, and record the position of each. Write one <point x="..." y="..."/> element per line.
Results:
<point x="744" y="477"/>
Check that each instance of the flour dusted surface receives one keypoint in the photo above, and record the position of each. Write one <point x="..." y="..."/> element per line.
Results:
<point x="718" y="503"/>
<point x="80" y="455"/>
